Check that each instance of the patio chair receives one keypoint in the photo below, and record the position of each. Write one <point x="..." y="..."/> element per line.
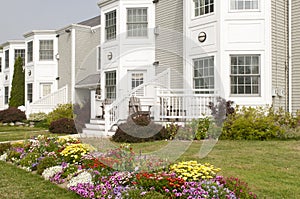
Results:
<point x="135" y="109"/>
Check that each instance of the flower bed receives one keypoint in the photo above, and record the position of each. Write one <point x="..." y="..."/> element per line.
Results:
<point x="120" y="173"/>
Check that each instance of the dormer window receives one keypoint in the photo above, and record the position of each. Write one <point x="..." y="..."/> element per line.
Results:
<point x="110" y="25"/>
<point x="137" y="22"/>
<point x="203" y="7"/>
<point x="46" y="50"/>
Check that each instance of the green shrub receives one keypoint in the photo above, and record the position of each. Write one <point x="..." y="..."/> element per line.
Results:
<point x="200" y="127"/>
<point x="36" y="117"/>
<point x="253" y="124"/>
<point x="45" y="163"/>
<point x="140" y="129"/>
<point x="30" y="160"/>
<point x="12" y="114"/>
<point x="4" y="147"/>
<point x="63" y="126"/>
<point x="172" y="130"/>
<point x="62" y="111"/>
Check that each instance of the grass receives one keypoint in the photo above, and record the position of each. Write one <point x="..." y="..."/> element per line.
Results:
<point x="11" y="133"/>
<point x="16" y="183"/>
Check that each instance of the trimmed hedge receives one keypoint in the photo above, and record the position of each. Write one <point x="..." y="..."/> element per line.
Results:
<point x="12" y="114"/>
<point x="63" y="126"/>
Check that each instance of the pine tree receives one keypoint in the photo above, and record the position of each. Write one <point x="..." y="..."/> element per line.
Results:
<point x="17" y="94"/>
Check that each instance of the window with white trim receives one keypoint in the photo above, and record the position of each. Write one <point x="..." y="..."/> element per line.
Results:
<point x="110" y="84"/>
<point x="6" y="59"/>
<point x="204" y="74"/>
<point x="30" y="51"/>
<point x="245" y="74"/>
<point x="137" y="22"/>
<point x="45" y="89"/>
<point x="6" y="91"/>
<point x="110" y="25"/>
<point x="46" y="50"/>
<point x="0" y="64"/>
<point x="203" y="7"/>
<point x="20" y="53"/>
<point x="137" y="78"/>
<point x="29" y="92"/>
<point x="243" y="4"/>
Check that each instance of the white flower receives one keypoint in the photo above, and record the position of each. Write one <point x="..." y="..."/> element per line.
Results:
<point x="84" y="177"/>
<point x="3" y="157"/>
<point x="50" y="172"/>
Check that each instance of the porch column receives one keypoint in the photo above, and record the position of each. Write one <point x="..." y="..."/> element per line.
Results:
<point x="93" y="103"/>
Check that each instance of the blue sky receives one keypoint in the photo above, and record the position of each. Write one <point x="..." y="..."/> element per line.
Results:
<point x="21" y="16"/>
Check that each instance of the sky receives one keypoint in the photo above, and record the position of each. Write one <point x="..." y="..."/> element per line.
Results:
<point x="21" y="16"/>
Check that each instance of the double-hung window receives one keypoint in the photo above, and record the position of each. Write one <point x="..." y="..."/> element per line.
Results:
<point x="99" y="58"/>
<point x="137" y="22"/>
<point x="243" y="4"/>
<point x="46" y="50"/>
<point x="245" y="74"/>
<point x="204" y="75"/>
<point x="203" y="7"/>
<point x="20" y="53"/>
<point x="110" y="25"/>
<point x="30" y="51"/>
<point x="29" y="92"/>
<point x="6" y="54"/>
<point x="137" y="78"/>
<point x="110" y="84"/>
<point x="6" y="95"/>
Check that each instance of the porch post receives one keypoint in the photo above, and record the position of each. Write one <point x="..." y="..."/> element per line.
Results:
<point x="93" y="103"/>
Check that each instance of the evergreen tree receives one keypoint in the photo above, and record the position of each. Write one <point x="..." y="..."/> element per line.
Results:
<point x="17" y="94"/>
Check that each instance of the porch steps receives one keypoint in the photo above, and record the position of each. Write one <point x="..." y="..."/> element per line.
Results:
<point x="96" y="128"/>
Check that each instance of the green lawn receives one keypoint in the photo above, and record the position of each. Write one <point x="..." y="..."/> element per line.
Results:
<point x="271" y="168"/>
<point x="16" y="183"/>
<point x="10" y="133"/>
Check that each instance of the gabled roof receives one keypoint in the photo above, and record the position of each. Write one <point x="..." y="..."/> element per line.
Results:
<point x="91" y="81"/>
<point x="91" y="22"/>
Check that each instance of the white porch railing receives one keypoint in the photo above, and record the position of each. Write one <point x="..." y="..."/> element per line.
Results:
<point x="49" y="102"/>
<point x="118" y="110"/>
<point x="185" y="105"/>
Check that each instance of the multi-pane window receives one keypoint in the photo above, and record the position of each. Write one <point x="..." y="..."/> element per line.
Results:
<point x="203" y="7"/>
<point x="30" y="51"/>
<point x="20" y="53"/>
<point x="137" y="78"/>
<point x="110" y="25"/>
<point x="0" y="64"/>
<point x="6" y="54"/>
<point x="245" y="74"/>
<point x="6" y="95"/>
<point x="244" y="4"/>
<point x="99" y="58"/>
<point x="29" y="92"/>
<point x="46" y="49"/>
<point x="204" y="74"/>
<point x="110" y="84"/>
<point x="45" y="89"/>
<point x="137" y="22"/>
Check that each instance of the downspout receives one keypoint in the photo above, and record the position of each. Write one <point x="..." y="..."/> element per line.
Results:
<point x="73" y="65"/>
<point x="290" y="55"/>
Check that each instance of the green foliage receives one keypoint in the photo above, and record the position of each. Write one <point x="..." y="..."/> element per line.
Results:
<point x="241" y="188"/>
<point x="45" y="163"/>
<point x="17" y="95"/>
<point x="200" y="127"/>
<point x="30" y="160"/>
<point x="257" y="124"/>
<point x="12" y="114"/>
<point x="63" y="126"/>
<point x="140" y="129"/>
<point x="172" y="130"/>
<point x="36" y="117"/>
<point x="4" y="147"/>
<point x="62" y="111"/>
